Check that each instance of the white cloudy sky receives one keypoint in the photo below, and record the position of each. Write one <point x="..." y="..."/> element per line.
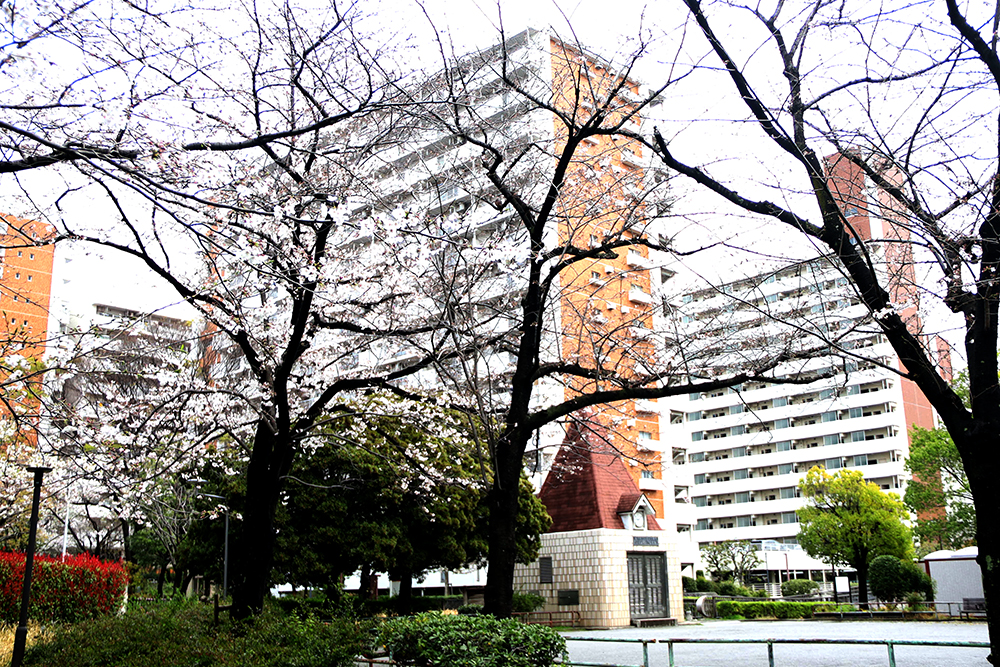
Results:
<point x="697" y="120"/>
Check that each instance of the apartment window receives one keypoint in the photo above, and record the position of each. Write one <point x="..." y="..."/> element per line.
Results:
<point x="698" y="435"/>
<point x="784" y="446"/>
<point x="739" y="451"/>
<point x="595" y="275"/>
<point x="545" y="570"/>
<point x="831" y="439"/>
<point x="853" y="389"/>
<point x="863" y="460"/>
<point x="743" y="497"/>
<point x="694" y="416"/>
<point x="739" y="429"/>
<point x="701" y="525"/>
<point x="645" y="435"/>
<point x="788" y="492"/>
<point x="833" y="464"/>
<point x="780" y="423"/>
<point x="785" y="469"/>
<point x="736" y="409"/>
<point x="789" y="517"/>
<point x="696" y="457"/>
<point x="829" y="416"/>
<point x="740" y="474"/>
<point x="699" y="479"/>
<point x="694" y="396"/>
<point x="648" y="474"/>
<point x="854" y="413"/>
<point x="780" y="402"/>
<point x="857" y="436"/>
<point x="699" y="501"/>
<point x="827" y="393"/>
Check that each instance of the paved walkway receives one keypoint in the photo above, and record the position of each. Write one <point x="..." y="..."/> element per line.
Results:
<point x="749" y="655"/>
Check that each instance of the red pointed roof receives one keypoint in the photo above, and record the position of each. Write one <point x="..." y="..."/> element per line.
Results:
<point x="589" y="484"/>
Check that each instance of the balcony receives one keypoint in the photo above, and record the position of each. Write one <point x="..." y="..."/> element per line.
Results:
<point x="636" y="261"/>
<point x="645" y="406"/>
<point x="638" y="296"/>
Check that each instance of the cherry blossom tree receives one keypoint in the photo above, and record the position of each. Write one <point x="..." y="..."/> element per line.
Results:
<point x="554" y="254"/>
<point x="907" y="99"/>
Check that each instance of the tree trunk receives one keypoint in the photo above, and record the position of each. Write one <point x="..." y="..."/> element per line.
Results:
<point x="981" y="473"/>
<point x="161" y="578"/>
<point x="405" y="602"/>
<point x="503" y="544"/>
<point x="252" y="557"/>
<point x="863" y="585"/>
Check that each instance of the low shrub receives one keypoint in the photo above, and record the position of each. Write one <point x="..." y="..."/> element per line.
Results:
<point x="181" y="634"/>
<point x="525" y="602"/>
<point x="733" y="589"/>
<point x="470" y="609"/>
<point x="703" y="585"/>
<point x="79" y="587"/>
<point x="435" y="640"/>
<point x="798" y="587"/>
<point x="393" y="606"/>
<point x="771" y="609"/>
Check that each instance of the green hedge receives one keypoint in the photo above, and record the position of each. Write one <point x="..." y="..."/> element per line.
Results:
<point x="181" y="633"/>
<point x="436" y="640"/>
<point x="79" y="587"/>
<point x="781" y="610"/>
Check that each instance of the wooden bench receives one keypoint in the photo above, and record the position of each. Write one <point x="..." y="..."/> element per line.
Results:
<point x="972" y="607"/>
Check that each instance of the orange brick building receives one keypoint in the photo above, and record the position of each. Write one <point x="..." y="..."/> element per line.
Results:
<point x="26" y="257"/>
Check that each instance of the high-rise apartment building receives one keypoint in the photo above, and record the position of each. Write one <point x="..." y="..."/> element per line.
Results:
<point x="748" y="447"/>
<point x="25" y="291"/>
<point x="515" y="98"/>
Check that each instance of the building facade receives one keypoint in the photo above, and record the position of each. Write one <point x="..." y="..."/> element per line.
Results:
<point x="749" y="446"/>
<point x="515" y="98"/>
<point x="25" y="292"/>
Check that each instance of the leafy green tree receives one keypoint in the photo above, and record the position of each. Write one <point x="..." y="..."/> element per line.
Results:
<point x="939" y="493"/>
<point x="850" y="521"/>
<point x="390" y="498"/>
<point x="893" y="579"/>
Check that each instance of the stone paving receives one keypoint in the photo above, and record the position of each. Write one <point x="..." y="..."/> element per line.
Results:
<point x="749" y="655"/>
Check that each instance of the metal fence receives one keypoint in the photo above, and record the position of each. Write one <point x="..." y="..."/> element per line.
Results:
<point x="888" y="643"/>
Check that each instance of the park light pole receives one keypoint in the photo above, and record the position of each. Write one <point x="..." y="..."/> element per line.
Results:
<point x="21" y="634"/>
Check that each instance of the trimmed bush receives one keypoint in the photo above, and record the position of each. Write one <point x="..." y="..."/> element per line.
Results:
<point x="798" y="587"/>
<point x="703" y="585"/>
<point x="892" y="579"/>
<point x="781" y="610"/>
<point x="733" y="589"/>
<point x="525" y="602"/>
<point x="470" y="609"/>
<point x="435" y="640"/>
<point x="181" y="634"/>
<point x="81" y="587"/>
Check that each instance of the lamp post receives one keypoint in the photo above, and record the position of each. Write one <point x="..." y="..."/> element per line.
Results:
<point x="21" y="634"/>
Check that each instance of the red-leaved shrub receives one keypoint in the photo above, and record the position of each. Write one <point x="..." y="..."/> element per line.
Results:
<point x="79" y="587"/>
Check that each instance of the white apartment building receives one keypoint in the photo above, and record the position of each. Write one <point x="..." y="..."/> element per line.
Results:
<point x="748" y="447"/>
